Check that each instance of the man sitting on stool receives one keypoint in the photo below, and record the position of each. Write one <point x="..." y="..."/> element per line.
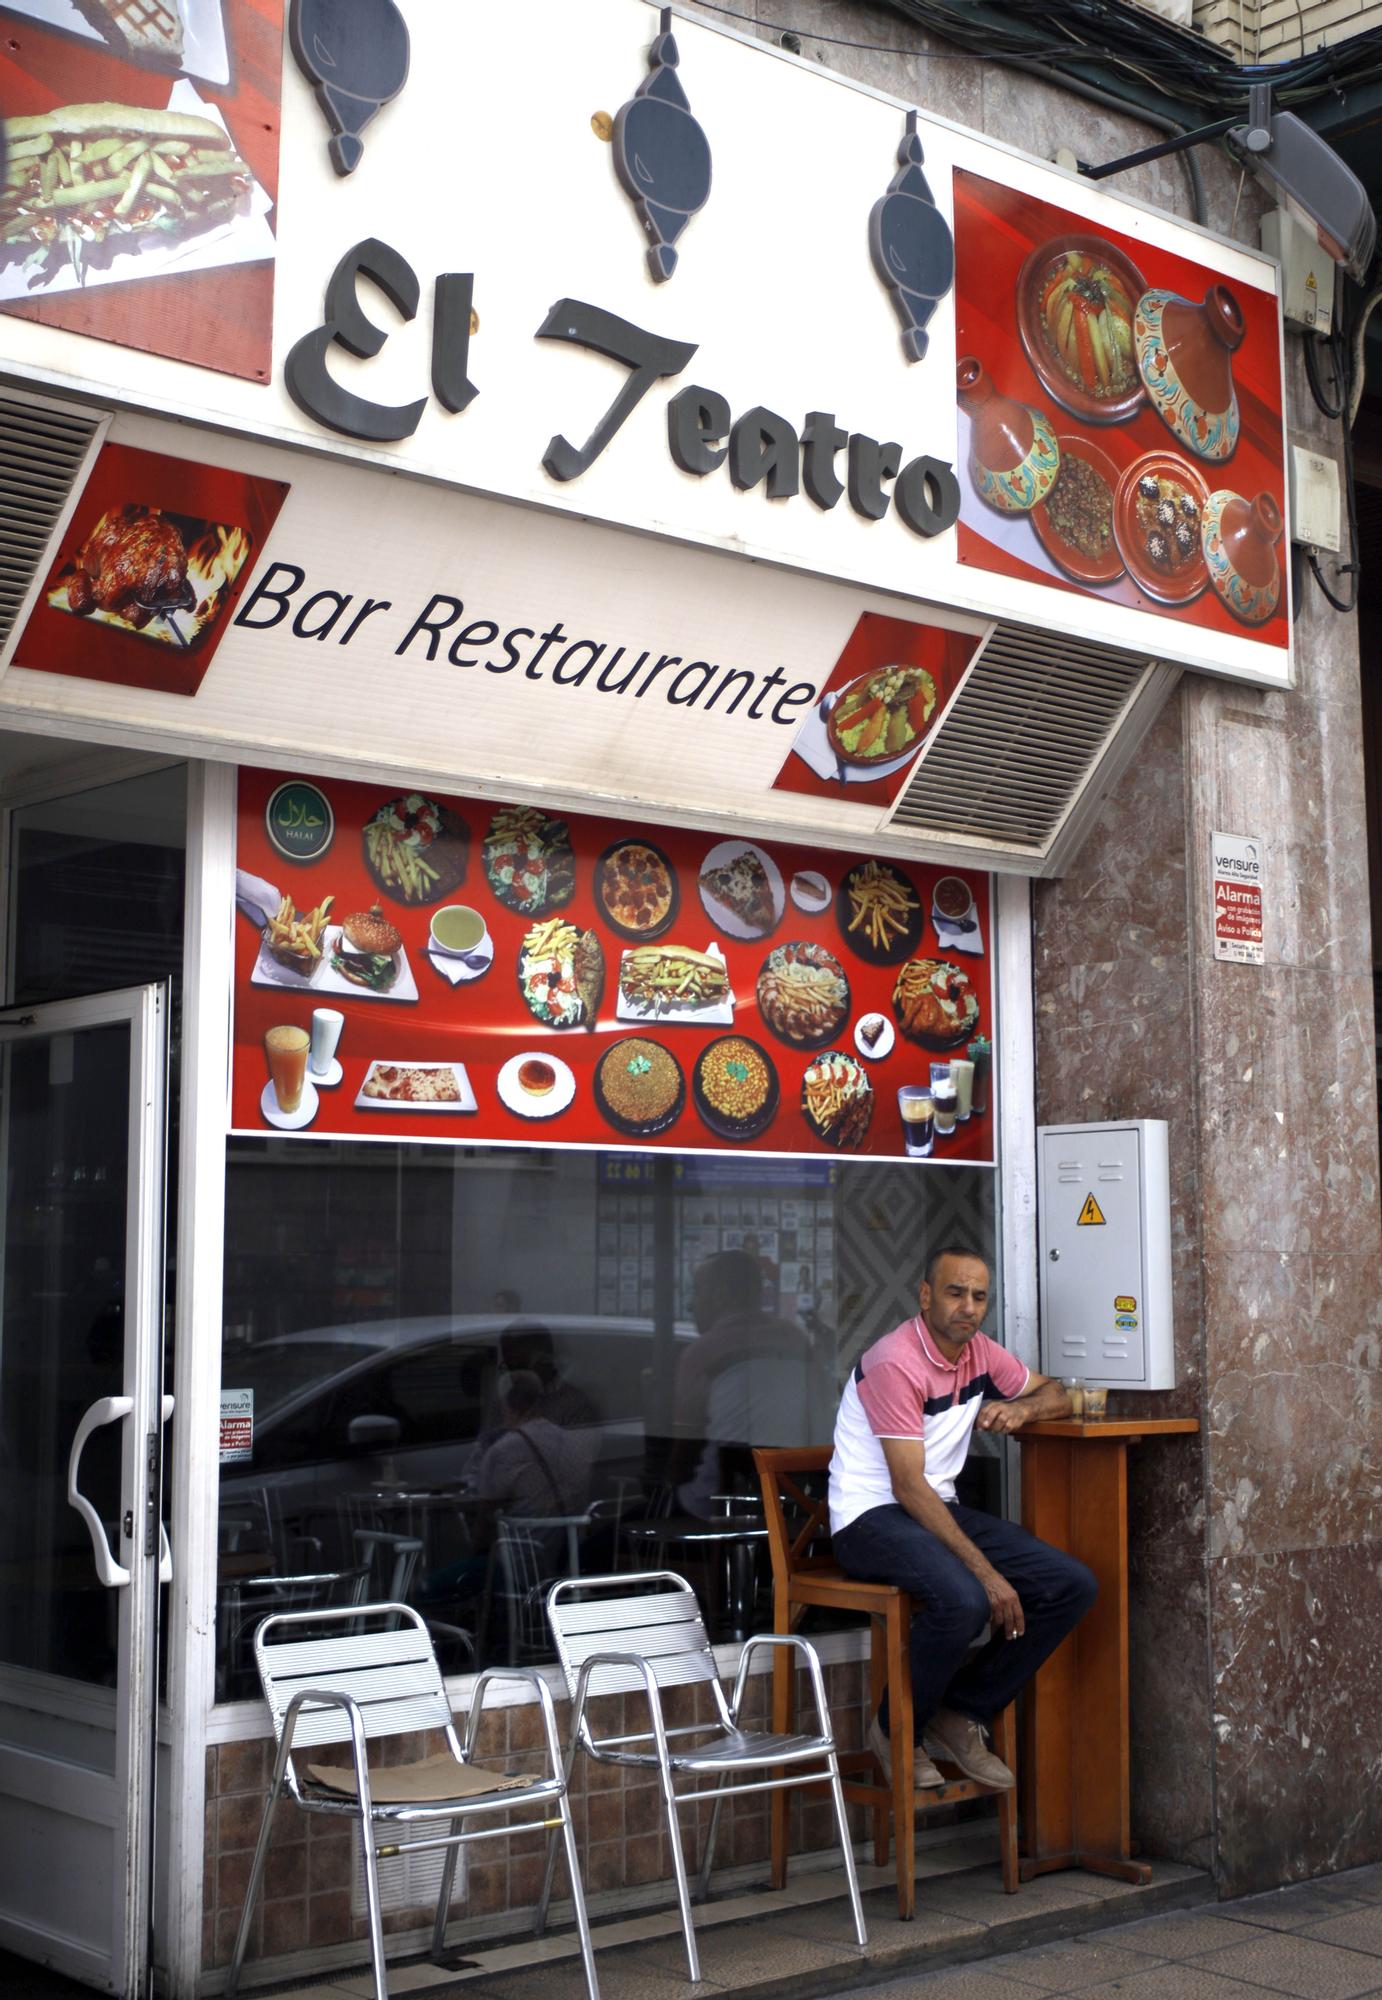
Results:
<point x="901" y="1436"/>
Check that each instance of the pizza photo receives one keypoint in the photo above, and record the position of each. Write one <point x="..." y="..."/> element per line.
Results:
<point x="636" y="889"/>
<point x="742" y="890"/>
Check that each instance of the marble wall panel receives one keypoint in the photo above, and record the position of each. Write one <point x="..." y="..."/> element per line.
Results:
<point x="1169" y="1695"/>
<point x="1297" y="1659"/>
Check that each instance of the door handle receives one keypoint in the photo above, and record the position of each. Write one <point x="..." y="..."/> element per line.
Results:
<point x="107" y="1410"/>
<point x="165" y="1553"/>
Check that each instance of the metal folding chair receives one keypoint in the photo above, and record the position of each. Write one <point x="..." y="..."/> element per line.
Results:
<point x="643" y="1632"/>
<point x="329" y="1680"/>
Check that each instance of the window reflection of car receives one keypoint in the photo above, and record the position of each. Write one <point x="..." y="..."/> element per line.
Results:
<point x="351" y="1408"/>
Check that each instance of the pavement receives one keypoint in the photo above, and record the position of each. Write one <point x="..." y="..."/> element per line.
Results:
<point x="1066" y="1934"/>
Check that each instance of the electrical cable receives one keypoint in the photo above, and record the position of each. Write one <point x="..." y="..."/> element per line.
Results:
<point x="1365" y="313"/>
<point x="1329" y="406"/>
<point x="1347" y="356"/>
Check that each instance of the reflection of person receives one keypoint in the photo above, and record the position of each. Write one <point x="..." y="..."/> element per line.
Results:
<point x="751" y="1378"/>
<point x="902" y="1435"/>
<point x="533" y="1467"/>
<point x="528" y="1348"/>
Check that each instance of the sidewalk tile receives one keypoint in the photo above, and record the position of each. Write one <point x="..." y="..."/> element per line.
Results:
<point x="1292" y="1909"/>
<point x="1180" y="1934"/>
<point x="1174" y="1982"/>
<point x="1360" y="1929"/>
<point x="1070" y="1967"/>
<point x="1290" y="1964"/>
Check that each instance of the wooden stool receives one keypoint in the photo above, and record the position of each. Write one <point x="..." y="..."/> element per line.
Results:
<point x="806" y="1573"/>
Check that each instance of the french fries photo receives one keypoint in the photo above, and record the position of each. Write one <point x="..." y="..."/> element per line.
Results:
<point x="399" y="865"/>
<point x="294" y="940"/>
<point x="880" y="904"/>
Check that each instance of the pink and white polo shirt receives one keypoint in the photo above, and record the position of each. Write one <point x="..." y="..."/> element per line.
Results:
<point x="903" y="1387"/>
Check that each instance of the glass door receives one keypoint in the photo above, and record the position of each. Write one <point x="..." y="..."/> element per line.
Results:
<point x="82" y="1112"/>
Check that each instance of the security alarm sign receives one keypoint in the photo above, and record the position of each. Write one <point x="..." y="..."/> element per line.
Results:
<point x="1236" y="875"/>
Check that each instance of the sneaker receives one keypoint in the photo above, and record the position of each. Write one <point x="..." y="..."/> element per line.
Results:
<point x="924" y="1773"/>
<point x="959" y="1740"/>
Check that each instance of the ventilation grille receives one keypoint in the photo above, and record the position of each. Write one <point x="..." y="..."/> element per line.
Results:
<point x="1014" y="752"/>
<point x="42" y="447"/>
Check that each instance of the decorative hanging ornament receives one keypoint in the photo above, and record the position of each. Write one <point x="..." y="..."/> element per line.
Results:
<point x="911" y="246"/>
<point x="661" y="155"/>
<point x="354" y="53"/>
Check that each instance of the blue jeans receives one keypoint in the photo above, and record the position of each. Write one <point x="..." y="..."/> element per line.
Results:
<point x="886" y="1545"/>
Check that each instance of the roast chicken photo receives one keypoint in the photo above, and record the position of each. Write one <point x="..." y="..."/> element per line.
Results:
<point x="134" y="561"/>
<point x="165" y="575"/>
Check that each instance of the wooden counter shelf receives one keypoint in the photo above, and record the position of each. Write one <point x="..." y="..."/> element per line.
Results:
<point x="1075" y="1762"/>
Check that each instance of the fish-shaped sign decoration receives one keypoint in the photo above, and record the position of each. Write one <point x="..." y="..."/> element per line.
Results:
<point x="911" y="246"/>
<point x="354" y="53"/>
<point x="661" y="155"/>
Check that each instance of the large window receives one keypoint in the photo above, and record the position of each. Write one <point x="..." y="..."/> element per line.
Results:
<point x="456" y="1373"/>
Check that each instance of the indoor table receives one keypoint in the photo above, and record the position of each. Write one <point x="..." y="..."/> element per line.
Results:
<point x="733" y="1536"/>
<point x="1075" y="1762"/>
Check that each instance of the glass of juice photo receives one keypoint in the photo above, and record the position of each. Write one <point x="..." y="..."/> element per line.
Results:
<point x="286" y="1049"/>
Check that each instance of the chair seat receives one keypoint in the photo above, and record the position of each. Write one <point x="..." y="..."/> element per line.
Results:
<point x="749" y="1747"/>
<point x="436" y="1784"/>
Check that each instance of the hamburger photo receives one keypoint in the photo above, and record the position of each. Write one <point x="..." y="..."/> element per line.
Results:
<point x="369" y="951"/>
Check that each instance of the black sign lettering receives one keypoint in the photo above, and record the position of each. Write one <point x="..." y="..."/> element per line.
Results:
<point x="764" y="446"/>
<point x="451" y="310"/>
<point x="697" y="419"/>
<point x="305" y="374"/>
<point x="821" y="439"/>
<point x="928" y="496"/>
<point x="433" y="626"/>
<point x="870" y="463"/>
<point x="269" y="590"/>
<point x="648" y="357"/>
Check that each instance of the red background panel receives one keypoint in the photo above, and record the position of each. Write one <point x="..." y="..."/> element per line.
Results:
<point x="995" y="228"/>
<point x="484" y="1022"/>
<point x="59" y="642"/>
<point x="877" y="641"/>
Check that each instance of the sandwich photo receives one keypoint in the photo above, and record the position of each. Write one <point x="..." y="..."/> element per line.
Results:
<point x="369" y="951"/>
<point x="86" y="180"/>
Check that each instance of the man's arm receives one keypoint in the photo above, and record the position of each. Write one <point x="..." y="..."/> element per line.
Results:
<point x="1042" y="1397"/>
<point x="906" y="1458"/>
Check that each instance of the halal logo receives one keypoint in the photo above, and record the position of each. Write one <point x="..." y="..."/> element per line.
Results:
<point x="910" y="242"/>
<point x="299" y="821"/>
<point x="354" y="53"/>
<point x="661" y="155"/>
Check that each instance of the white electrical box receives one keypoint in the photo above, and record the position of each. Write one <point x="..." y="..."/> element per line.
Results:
<point x="1315" y="499"/>
<point x="1307" y="271"/>
<point x="1104" y="1216"/>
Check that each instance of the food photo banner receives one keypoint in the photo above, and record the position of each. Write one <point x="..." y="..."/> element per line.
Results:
<point x="1120" y="418"/>
<point x="409" y="965"/>
<point x="143" y="142"/>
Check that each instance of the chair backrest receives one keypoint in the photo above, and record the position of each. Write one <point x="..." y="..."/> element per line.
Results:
<point x="653" y="1613"/>
<point x="391" y="1559"/>
<point x="796" y="1509"/>
<point x="529" y="1552"/>
<point x="392" y="1673"/>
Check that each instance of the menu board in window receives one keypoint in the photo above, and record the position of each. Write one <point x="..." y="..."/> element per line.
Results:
<point x="409" y="965"/>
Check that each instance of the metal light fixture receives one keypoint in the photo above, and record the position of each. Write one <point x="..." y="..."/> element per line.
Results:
<point x="1298" y="168"/>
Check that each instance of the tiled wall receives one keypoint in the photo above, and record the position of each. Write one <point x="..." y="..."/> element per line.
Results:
<point x="305" y="1903"/>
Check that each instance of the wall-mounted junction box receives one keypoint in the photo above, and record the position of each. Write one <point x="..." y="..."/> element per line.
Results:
<point x="1316" y="502"/>
<point x="1104" y="1215"/>
<point x="1307" y="271"/>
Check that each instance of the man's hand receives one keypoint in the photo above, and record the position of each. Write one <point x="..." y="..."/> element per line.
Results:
<point x="1006" y="1416"/>
<point x="1005" y="1606"/>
